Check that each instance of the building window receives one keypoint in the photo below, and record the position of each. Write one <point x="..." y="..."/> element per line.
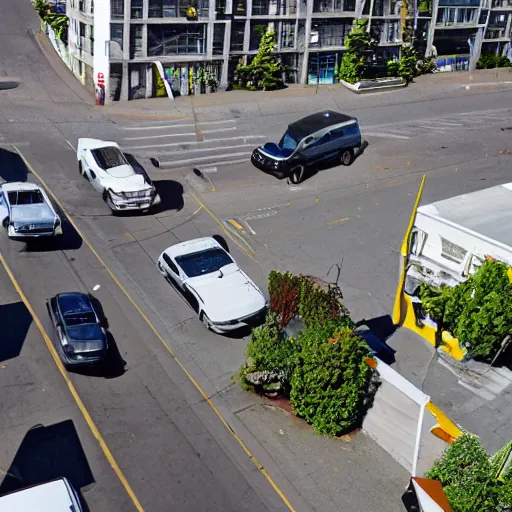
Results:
<point x="136" y="41"/>
<point x="136" y="11"/>
<point x="237" y="36"/>
<point x="81" y="5"/>
<point x="91" y="28"/>
<point x="183" y="39"/>
<point x="163" y="8"/>
<point x="257" y="31"/>
<point x="219" y="30"/>
<point x="264" y="7"/>
<point x="446" y="16"/>
<point x="239" y="7"/>
<point x="333" y="33"/>
<point x="334" y="5"/>
<point x="117" y="9"/>
<point x="287" y="34"/>
<point x="116" y="35"/>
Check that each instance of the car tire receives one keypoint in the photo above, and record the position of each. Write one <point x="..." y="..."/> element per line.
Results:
<point x="104" y="195"/>
<point x="296" y="175"/>
<point x="5" y="222"/>
<point x="80" y="169"/>
<point x="347" y="156"/>
<point x="206" y="321"/>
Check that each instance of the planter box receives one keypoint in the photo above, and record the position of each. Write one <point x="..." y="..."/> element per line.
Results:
<point x="364" y="86"/>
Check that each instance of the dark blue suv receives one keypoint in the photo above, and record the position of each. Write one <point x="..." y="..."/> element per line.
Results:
<point x="309" y="141"/>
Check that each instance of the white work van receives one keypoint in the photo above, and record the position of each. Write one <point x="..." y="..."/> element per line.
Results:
<point x="55" y="496"/>
<point x="449" y="240"/>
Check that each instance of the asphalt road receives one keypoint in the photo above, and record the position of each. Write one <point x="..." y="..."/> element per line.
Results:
<point x="160" y="430"/>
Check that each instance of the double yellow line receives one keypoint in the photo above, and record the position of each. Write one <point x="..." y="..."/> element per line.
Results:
<point x="72" y="388"/>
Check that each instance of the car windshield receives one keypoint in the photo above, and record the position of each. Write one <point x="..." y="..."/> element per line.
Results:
<point x="204" y="262"/>
<point x="288" y="142"/>
<point x="21" y="197"/>
<point x="108" y="157"/>
<point x="83" y="318"/>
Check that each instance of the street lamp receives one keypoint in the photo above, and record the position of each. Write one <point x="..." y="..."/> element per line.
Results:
<point x="314" y="41"/>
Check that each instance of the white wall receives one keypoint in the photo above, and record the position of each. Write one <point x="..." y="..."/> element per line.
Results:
<point x="101" y="46"/>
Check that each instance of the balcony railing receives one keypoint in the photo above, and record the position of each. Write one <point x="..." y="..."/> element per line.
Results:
<point x="502" y="4"/>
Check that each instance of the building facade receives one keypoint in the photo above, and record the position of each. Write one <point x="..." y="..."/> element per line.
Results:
<point x="146" y="48"/>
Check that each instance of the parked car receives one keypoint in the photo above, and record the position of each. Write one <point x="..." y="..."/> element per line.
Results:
<point x="122" y="186"/>
<point x="309" y="141"/>
<point x="81" y="339"/>
<point x="55" y="496"/>
<point x="227" y="299"/>
<point x="27" y="212"/>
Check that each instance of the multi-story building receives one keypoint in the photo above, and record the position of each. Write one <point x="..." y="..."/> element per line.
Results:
<point x="132" y="44"/>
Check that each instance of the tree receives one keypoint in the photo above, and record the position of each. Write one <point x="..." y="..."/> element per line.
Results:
<point x="359" y="46"/>
<point x="265" y="71"/>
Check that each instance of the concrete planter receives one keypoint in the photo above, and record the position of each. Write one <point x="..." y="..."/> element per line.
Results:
<point x="379" y="84"/>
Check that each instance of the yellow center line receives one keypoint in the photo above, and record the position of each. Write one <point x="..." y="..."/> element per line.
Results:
<point x="157" y="334"/>
<point x="339" y="221"/>
<point x="72" y="389"/>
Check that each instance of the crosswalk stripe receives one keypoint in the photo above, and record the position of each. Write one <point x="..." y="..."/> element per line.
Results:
<point x="176" y="125"/>
<point x="182" y="151"/>
<point x="173" y="144"/>
<point x="174" y="163"/>
<point x="161" y="136"/>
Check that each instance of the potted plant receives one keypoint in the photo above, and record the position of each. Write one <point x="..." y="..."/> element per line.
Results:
<point x="191" y="14"/>
<point x="212" y="83"/>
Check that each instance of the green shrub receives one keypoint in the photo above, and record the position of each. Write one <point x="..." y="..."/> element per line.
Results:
<point x="478" y="311"/>
<point x="392" y="67"/>
<point x="407" y="63"/>
<point x="491" y="61"/>
<point x="331" y="378"/>
<point x="468" y="477"/>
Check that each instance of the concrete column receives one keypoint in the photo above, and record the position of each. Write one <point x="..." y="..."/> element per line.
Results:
<point x="225" y="55"/>
<point x="477" y="49"/>
<point x="145" y="40"/>
<point x="307" y="39"/>
<point x="125" y="82"/>
<point x="432" y="28"/>
<point x="247" y="36"/>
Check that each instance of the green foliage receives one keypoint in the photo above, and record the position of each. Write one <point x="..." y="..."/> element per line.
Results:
<point x="407" y="63"/>
<point x="392" y="67"/>
<point x="478" y="312"/>
<point x="57" y="21"/>
<point x="292" y="296"/>
<point x="265" y="71"/>
<point x="468" y="477"/>
<point x="426" y="66"/>
<point x="359" y="46"/>
<point x="491" y="61"/>
<point x="425" y="6"/>
<point x="331" y="378"/>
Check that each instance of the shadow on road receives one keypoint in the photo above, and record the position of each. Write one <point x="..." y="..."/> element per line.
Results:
<point x="171" y="194"/>
<point x="12" y="166"/>
<point x="222" y="241"/>
<point x="70" y="240"/>
<point x="15" y="322"/>
<point x="48" y="453"/>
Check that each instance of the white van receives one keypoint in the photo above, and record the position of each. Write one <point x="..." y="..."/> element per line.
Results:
<point x="54" y="496"/>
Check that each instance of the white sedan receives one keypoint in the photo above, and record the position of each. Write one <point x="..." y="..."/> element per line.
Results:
<point x="227" y="298"/>
<point x="105" y="166"/>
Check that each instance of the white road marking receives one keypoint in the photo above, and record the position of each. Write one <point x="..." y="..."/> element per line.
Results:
<point x="70" y="145"/>
<point x="202" y="158"/>
<point x="384" y="135"/>
<point x="230" y="129"/>
<point x="211" y="149"/>
<point x="161" y="136"/>
<point x="177" y="125"/>
<point x="446" y="124"/>
<point x="230" y="162"/>
<point x="431" y="128"/>
<point x="172" y="144"/>
<point x="246" y="224"/>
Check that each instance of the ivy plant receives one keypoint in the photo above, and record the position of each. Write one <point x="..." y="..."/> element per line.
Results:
<point x="331" y="379"/>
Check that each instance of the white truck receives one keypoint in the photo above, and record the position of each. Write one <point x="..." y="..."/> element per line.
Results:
<point x="448" y="241"/>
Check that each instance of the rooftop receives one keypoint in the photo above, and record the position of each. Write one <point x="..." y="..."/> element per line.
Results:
<point x="315" y="122"/>
<point x="487" y="212"/>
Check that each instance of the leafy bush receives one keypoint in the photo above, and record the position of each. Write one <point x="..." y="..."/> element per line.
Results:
<point x="426" y="66"/>
<point x="331" y="378"/>
<point x="359" y="46"/>
<point x="468" y="477"/>
<point x="265" y="71"/>
<point x="58" y="22"/>
<point x="478" y="312"/>
<point x="491" y="61"/>
<point x="392" y="67"/>
<point x="270" y="350"/>
<point x="407" y="63"/>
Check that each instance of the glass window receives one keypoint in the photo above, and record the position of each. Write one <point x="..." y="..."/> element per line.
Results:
<point x="25" y="197"/>
<point x="176" y="39"/>
<point x="451" y="251"/>
<point x="204" y="262"/>
<point x="237" y="36"/>
<point x="163" y="9"/>
<point x="239" y="7"/>
<point x="218" y="38"/>
<point x="116" y="34"/>
<point x="288" y="142"/>
<point x="287" y="34"/>
<point x="135" y="41"/>
<point x="136" y="11"/>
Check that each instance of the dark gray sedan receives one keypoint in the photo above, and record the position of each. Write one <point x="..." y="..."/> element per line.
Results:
<point x="81" y="339"/>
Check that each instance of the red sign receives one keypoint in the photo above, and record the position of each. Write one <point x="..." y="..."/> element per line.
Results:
<point x="100" y="89"/>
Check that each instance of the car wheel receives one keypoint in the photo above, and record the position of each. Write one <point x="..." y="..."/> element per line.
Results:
<point x="296" y="176"/>
<point x="162" y="270"/>
<point x="5" y="222"/>
<point x="105" y="195"/>
<point x="347" y="156"/>
<point x="80" y="169"/>
<point x="206" y="321"/>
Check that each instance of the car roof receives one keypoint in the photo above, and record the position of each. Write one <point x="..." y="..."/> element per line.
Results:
<point x="54" y="496"/>
<point x="193" y="246"/>
<point x="315" y="122"/>
<point x="14" y="186"/>
<point x="74" y="302"/>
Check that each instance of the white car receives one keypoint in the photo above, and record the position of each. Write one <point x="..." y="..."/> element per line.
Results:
<point x="227" y="298"/>
<point x="27" y="212"/>
<point x="105" y="166"/>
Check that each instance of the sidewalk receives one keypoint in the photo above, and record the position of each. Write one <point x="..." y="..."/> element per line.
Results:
<point x="304" y="98"/>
